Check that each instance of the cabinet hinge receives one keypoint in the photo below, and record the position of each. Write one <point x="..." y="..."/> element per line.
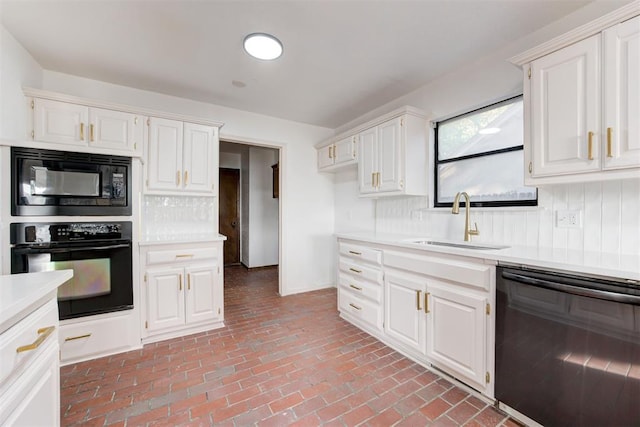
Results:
<point x="529" y="73"/>
<point x="488" y="309"/>
<point x="401" y="122"/>
<point x="32" y="104"/>
<point x="33" y="135"/>
<point x="218" y="269"/>
<point x="135" y="145"/>
<point x="219" y="310"/>
<point x="135" y="120"/>
<point x="487" y="378"/>
<point x="148" y="122"/>
<point x="530" y="167"/>
<point x="146" y="324"/>
<point x="145" y="277"/>
<point x="147" y="182"/>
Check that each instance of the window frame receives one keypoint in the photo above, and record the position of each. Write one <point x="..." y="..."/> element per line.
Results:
<point x="437" y="162"/>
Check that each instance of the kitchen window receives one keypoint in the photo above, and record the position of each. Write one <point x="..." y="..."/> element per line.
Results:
<point x="481" y="152"/>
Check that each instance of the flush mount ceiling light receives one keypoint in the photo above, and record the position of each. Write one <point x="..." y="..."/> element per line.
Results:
<point x="263" y="46"/>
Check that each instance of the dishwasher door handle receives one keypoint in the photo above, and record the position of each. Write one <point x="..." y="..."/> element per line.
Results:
<point x="572" y="289"/>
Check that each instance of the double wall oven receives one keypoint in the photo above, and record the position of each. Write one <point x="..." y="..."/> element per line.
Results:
<point x="55" y="189"/>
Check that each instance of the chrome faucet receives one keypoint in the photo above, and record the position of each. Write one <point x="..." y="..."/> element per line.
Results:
<point x="468" y="232"/>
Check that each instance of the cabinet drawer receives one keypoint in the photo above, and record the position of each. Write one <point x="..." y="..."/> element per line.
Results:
<point x="41" y="325"/>
<point x="363" y="253"/>
<point x="96" y="338"/>
<point x="176" y="255"/>
<point x="360" y="287"/>
<point x="361" y="271"/>
<point x="367" y="311"/>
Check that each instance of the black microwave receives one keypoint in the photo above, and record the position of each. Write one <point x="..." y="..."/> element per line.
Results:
<point x="48" y="182"/>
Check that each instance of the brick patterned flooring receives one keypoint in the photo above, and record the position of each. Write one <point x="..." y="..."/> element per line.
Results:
<point x="279" y="361"/>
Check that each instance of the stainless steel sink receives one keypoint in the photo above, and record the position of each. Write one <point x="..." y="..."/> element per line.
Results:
<point x="475" y="246"/>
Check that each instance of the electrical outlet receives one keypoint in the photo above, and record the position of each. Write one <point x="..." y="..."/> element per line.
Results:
<point x="568" y="219"/>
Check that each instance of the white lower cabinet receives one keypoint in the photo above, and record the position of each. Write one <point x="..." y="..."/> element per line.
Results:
<point x="405" y="311"/>
<point x="182" y="291"/>
<point x="437" y="308"/>
<point x="457" y="332"/>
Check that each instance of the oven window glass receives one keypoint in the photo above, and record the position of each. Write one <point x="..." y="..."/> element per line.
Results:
<point x="91" y="277"/>
<point x="47" y="182"/>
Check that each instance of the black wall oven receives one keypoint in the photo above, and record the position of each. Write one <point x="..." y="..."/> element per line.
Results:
<point x="47" y="182"/>
<point x="99" y="253"/>
<point x="568" y="347"/>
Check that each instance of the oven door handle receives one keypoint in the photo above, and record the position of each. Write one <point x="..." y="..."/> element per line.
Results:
<point x="574" y="290"/>
<point x="72" y="249"/>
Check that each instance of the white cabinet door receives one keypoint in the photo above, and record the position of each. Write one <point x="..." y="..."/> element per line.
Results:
<point x="164" y="169"/>
<point x="565" y="110"/>
<point x="325" y="156"/>
<point x="405" y="317"/>
<point x="201" y="297"/>
<point x="60" y="122"/>
<point x="165" y="298"/>
<point x="115" y="130"/>
<point x="41" y="405"/>
<point x="198" y="161"/>
<point x="622" y="95"/>
<point x="368" y="160"/>
<point x="457" y="332"/>
<point x="389" y="157"/>
<point x="345" y="150"/>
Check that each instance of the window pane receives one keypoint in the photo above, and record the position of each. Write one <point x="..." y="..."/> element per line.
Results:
<point x="488" y="130"/>
<point x="497" y="177"/>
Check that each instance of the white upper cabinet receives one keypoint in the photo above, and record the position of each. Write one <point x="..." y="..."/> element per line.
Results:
<point x="622" y="94"/>
<point x="181" y="158"/>
<point x="338" y="154"/>
<point x="65" y="123"/>
<point x="393" y="157"/>
<point x="582" y="102"/>
<point x="565" y="110"/>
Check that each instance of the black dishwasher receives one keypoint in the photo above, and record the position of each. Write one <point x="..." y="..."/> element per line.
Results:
<point x="568" y="347"/>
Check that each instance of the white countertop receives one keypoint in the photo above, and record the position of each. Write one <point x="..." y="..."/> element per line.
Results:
<point x="625" y="266"/>
<point x="181" y="238"/>
<point x="22" y="293"/>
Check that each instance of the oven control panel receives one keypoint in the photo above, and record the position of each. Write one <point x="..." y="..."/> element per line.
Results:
<point x="42" y="233"/>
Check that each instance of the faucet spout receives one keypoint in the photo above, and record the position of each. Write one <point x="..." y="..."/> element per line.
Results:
<point x="468" y="232"/>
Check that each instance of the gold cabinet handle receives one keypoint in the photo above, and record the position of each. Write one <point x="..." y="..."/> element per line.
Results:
<point x="355" y="270"/>
<point x="378" y="179"/>
<point x="355" y="253"/>
<point x="373" y="179"/>
<point x="530" y="167"/>
<point x="43" y="333"/>
<point x="135" y="121"/>
<point x="330" y="148"/>
<point x="189" y="281"/>
<point x="186" y="177"/>
<point x="418" y="300"/>
<point x="79" y="337"/>
<point x="178" y="174"/>
<point x="180" y="283"/>
<point x="357" y="288"/>
<point x="609" y="141"/>
<point x="355" y="306"/>
<point x="590" y="145"/>
<point x="426" y="302"/>
<point x="184" y="256"/>
<point x="91" y="132"/>
<point x="81" y="131"/>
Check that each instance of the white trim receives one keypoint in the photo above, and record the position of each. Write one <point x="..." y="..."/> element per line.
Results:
<point x="55" y="96"/>
<point x="282" y="198"/>
<point x="624" y="13"/>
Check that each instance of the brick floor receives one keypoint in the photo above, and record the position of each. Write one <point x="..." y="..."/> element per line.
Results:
<point x="279" y="361"/>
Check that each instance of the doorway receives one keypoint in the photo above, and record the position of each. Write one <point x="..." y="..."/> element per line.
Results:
<point x="229" y="217"/>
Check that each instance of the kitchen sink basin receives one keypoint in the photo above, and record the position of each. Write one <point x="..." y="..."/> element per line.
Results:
<point x="464" y="245"/>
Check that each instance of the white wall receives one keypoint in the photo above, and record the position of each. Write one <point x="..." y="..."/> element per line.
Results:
<point x="263" y="209"/>
<point x="611" y="210"/>
<point x="230" y="160"/>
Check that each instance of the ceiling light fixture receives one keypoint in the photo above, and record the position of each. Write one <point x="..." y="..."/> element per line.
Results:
<point x="263" y="46"/>
<point x="488" y="131"/>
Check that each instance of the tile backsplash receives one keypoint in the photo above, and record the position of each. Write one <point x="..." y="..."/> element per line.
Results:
<point x="609" y="213"/>
<point x="170" y="216"/>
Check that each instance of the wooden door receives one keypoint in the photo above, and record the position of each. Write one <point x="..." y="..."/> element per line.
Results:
<point x="228" y="218"/>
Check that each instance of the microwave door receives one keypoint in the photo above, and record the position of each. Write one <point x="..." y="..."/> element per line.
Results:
<point x="47" y="182"/>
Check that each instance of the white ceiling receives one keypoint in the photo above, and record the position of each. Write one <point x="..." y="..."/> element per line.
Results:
<point x="341" y="58"/>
